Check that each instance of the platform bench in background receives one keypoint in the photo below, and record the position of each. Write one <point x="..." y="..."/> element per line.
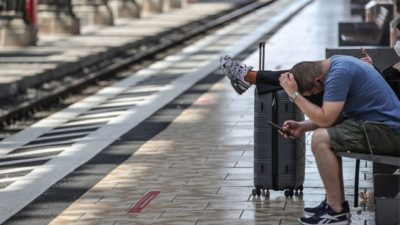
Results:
<point x="375" y="33"/>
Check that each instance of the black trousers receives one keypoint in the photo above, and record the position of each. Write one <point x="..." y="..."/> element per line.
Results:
<point x="267" y="81"/>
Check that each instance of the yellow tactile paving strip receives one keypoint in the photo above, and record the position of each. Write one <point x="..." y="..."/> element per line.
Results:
<point x="202" y="166"/>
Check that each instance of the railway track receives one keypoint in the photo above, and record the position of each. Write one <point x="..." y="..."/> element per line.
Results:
<point x="26" y="108"/>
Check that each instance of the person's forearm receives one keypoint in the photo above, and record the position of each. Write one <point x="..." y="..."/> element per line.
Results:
<point x="315" y="113"/>
<point x="308" y="125"/>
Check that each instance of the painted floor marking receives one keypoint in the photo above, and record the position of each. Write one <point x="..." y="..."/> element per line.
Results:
<point x="144" y="201"/>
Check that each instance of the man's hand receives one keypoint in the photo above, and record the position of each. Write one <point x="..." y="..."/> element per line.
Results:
<point x="288" y="83"/>
<point x="366" y="57"/>
<point x="293" y="129"/>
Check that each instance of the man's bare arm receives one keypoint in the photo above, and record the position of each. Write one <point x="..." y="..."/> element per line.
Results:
<point x="324" y="116"/>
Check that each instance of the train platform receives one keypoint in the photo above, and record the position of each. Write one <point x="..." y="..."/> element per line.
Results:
<point x="179" y="151"/>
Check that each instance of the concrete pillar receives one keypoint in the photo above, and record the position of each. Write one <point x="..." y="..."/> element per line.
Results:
<point x="126" y="8"/>
<point x="158" y="6"/>
<point x="57" y="18"/>
<point x="94" y="12"/>
<point x="166" y="5"/>
<point x="149" y="6"/>
<point x="16" y="33"/>
<point x="51" y="23"/>
<point x="102" y="15"/>
<point x="178" y="3"/>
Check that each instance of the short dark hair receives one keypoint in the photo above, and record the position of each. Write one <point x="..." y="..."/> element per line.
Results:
<point x="304" y="73"/>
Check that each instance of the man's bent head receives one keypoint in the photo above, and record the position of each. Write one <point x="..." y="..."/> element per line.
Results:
<point x="307" y="75"/>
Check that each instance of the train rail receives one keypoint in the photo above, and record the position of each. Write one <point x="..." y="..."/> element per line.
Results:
<point x="24" y="109"/>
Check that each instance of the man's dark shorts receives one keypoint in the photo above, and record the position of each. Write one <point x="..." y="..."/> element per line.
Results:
<point x="349" y="136"/>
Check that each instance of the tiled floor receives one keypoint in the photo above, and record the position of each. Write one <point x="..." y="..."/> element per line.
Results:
<point x="202" y="167"/>
<point x="202" y="164"/>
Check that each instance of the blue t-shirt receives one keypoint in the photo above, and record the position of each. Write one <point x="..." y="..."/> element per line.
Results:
<point x="366" y="94"/>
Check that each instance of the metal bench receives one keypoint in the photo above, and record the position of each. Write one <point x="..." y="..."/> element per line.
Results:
<point x="57" y="6"/>
<point x="375" y="33"/>
<point x="381" y="159"/>
<point x="386" y="184"/>
<point x="358" y="7"/>
<point x="382" y="56"/>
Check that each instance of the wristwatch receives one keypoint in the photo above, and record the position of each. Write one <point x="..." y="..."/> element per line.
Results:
<point x="293" y="97"/>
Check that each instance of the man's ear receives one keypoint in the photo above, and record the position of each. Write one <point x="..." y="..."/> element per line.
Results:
<point x="318" y="81"/>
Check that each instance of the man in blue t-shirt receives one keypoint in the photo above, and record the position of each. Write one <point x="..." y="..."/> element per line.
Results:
<point x="354" y="92"/>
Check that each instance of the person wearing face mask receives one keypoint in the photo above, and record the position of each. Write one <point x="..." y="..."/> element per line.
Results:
<point x="392" y="73"/>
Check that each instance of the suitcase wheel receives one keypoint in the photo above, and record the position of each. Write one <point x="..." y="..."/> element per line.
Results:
<point x="265" y="193"/>
<point x="256" y="191"/>
<point x="299" y="191"/>
<point x="289" y="193"/>
<point x="260" y="192"/>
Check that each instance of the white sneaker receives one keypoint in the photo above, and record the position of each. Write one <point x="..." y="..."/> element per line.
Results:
<point x="236" y="73"/>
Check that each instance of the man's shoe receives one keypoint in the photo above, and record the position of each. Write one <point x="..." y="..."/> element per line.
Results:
<point x="327" y="216"/>
<point x="322" y="206"/>
<point x="236" y="73"/>
<point x="311" y="211"/>
<point x="346" y="208"/>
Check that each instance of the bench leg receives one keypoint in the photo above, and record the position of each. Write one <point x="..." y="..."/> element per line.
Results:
<point x="356" y="182"/>
<point x="387" y="211"/>
<point x="386" y="192"/>
<point x="385" y="183"/>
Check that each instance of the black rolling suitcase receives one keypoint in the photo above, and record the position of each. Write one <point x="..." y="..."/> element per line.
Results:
<point x="279" y="163"/>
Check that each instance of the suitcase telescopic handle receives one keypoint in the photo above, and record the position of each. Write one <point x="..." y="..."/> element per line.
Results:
<point x="261" y="58"/>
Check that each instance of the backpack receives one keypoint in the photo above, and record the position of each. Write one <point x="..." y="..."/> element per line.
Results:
<point x="392" y="76"/>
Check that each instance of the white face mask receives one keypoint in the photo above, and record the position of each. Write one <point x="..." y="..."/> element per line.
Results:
<point x="397" y="47"/>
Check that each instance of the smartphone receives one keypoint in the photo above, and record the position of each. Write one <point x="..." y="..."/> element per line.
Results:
<point x="278" y="127"/>
<point x="364" y="52"/>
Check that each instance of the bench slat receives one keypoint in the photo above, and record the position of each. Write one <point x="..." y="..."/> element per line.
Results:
<point x="389" y="160"/>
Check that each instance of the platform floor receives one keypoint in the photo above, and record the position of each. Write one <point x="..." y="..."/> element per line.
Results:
<point x="199" y="170"/>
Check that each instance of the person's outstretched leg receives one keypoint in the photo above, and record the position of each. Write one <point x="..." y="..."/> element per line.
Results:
<point x="267" y="81"/>
<point x="242" y="77"/>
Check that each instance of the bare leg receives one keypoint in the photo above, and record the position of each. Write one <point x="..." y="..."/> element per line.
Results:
<point x="251" y="77"/>
<point x="329" y="168"/>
